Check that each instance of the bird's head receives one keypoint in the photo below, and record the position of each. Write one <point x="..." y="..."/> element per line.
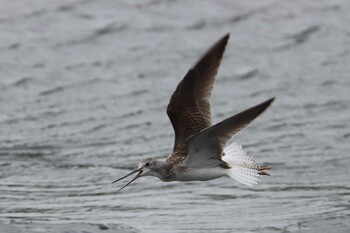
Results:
<point x="146" y="167"/>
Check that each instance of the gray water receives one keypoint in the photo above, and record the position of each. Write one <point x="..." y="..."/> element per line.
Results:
<point x="83" y="90"/>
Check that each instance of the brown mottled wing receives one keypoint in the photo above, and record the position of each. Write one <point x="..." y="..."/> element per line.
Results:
<point x="189" y="107"/>
<point x="205" y="148"/>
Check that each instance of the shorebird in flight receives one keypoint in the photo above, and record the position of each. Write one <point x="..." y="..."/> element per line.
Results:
<point x="199" y="151"/>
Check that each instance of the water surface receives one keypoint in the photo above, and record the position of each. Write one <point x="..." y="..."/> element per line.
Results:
<point x="83" y="91"/>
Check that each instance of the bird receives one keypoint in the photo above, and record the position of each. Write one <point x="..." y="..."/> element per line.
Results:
<point x="200" y="152"/>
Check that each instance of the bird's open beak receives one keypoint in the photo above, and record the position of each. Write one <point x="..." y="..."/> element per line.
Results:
<point x="139" y="170"/>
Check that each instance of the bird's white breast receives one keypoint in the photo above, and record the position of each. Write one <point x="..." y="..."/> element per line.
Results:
<point x="200" y="174"/>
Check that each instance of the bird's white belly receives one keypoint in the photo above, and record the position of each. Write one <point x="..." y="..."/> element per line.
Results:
<point x="201" y="174"/>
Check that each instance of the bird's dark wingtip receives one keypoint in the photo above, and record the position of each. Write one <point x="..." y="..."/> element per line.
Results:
<point x="225" y="38"/>
<point x="265" y="105"/>
<point x="271" y="100"/>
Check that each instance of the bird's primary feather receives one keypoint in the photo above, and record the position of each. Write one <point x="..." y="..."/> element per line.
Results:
<point x="208" y="144"/>
<point x="189" y="107"/>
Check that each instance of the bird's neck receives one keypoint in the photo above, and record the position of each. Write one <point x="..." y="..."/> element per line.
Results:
<point x="164" y="170"/>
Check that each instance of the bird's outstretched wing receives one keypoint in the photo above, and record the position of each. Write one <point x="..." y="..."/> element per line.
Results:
<point x="205" y="148"/>
<point x="189" y="107"/>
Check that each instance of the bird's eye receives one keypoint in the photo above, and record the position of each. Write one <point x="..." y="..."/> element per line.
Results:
<point x="147" y="164"/>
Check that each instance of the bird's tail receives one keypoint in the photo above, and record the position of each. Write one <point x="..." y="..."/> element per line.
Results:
<point x="243" y="167"/>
